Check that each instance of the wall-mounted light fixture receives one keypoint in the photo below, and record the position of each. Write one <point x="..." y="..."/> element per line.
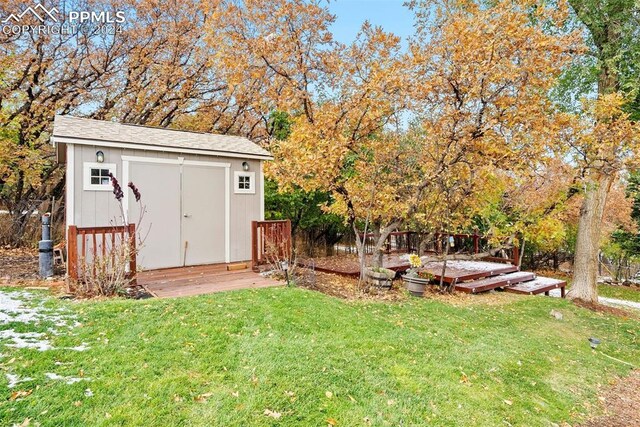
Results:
<point x="245" y="166"/>
<point x="99" y="156"/>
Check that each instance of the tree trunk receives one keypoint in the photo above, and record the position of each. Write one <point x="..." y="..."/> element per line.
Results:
<point x="585" y="266"/>
<point x="379" y="238"/>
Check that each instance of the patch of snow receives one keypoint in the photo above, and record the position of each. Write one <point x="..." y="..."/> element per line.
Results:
<point x="619" y="302"/>
<point x="468" y="265"/>
<point x="67" y="380"/>
<point x="81" y="347"/>
<point x="605" y="300"/>
<point x="24" y="307"/>
<point x="14" y="380"/>
<point x="546" y="280"/>
<point x="26" y="340"/>
<point x="13" y="308"/>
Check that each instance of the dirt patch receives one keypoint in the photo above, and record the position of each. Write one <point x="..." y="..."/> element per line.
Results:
<point x="18" y="264"/>
<point x="348" y="287"/>
<point x="21" y="265"/>
<point x="607" y="309"/>
<point x="620" y="404"/>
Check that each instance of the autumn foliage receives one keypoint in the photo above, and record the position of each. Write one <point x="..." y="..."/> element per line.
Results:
<point x="454" y="130"/>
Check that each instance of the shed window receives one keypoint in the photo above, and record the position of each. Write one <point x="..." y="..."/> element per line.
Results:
<point x="96" y="176"/>
<point x="245" y="182"/>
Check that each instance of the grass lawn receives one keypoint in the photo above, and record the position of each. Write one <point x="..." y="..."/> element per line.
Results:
<point x="619" y="292"/>
<point x="291" y="357"/>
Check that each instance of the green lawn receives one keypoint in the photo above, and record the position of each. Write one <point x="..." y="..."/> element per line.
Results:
<point x="291" y="357"/>
<point x="619" y="292"/>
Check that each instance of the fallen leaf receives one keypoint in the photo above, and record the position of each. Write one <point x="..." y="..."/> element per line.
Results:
<point x="328" y="394"/>
<point x="25" y="423"/>
<point x="20" y="394"/>
<point x="235" y="393"/>
<point x="508" y="402"/>
<point x="332" y="422"/>
<point x="272" y="414"/>
<point x="77" y="403"/>
<point x="202" y="398"/>
<point x="391" y="402"/>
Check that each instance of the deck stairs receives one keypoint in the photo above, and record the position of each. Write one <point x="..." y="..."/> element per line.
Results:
<point x="521" y="282"/>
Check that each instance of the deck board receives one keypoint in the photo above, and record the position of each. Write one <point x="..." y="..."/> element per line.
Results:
<point x="538" y="286"/>
<point x="494" y="282"/>
<point x="462" y="271"/>
<point x="187" y="281"/>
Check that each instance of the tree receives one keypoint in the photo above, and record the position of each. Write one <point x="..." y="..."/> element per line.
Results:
<point x="482" y="77"/>
<point x="160" y="70"/>
<point x="613" y="31"/>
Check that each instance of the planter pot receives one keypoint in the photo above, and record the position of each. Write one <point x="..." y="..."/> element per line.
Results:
<point x="415" y="285"/>
<point x="381" y="278"/>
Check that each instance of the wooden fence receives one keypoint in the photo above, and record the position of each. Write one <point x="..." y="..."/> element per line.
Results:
<point x="270" y="242"/>
<point x="85" y="244"/>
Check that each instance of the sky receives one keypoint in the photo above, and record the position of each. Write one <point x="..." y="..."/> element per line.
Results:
<point x="389" y="14"/>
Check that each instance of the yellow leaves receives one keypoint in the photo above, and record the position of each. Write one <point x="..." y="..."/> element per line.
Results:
<point x="19" y="394"/>
<point x="202" y="398"/>
<point x="605" y="139"/>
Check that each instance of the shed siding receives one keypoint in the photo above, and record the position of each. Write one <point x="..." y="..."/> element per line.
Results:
<point x="99" y="208"/>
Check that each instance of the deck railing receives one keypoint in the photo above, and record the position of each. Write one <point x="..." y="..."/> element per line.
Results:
<point x="86" y="244"/>
<point x="270" y="241"/>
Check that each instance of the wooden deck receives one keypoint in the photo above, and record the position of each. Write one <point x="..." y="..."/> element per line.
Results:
<point x="202" y="279"/>
<point x="481" y="276"/>
<point x="462" y="271"/>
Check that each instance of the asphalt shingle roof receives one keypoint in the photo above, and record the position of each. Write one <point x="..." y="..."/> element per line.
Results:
<point x="99" y="130"/>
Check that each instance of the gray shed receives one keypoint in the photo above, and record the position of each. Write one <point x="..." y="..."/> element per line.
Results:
<point x="201" y="191"/>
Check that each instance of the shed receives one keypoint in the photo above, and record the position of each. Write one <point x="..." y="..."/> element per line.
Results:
<point x="200" y="191"/>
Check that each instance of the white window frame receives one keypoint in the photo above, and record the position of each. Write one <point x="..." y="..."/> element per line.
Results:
<point x="86" y="176"/>
<point x="252" y="182"/>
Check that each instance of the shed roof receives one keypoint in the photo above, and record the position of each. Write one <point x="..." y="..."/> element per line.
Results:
<point x="76" y="130"/>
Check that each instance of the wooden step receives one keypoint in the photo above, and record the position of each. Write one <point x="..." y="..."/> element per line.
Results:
<point x="462" y="271"/>
<point x="237" y="266"/>
<point x="538" y="286"/>
<point x="489" y="283"/>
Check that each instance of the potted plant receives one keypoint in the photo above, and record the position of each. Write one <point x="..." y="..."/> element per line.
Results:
<point x="416" y="281"/>
<point x="379" y="277"/>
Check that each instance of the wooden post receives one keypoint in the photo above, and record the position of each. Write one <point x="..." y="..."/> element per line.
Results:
<point x="516" y="255"/>
<point x="287" y="236"/>
<point x="476" y="243"/>
<point x="72" y="252"/>
<point x="133" y="265"/>
<point x="254" y="245"/>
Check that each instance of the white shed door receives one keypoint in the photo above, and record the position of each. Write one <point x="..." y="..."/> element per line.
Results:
<point x="203" y="212"/>
<point x="184" y="222"/>
<point x="160" y="226"/>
